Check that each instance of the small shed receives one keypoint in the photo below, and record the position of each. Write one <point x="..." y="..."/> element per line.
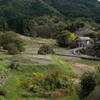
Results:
<point x="84" y="41"/>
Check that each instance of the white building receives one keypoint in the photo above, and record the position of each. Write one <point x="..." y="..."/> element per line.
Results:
<point x="84" y="41"/>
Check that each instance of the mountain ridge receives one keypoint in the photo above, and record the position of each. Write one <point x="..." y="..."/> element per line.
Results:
<point x="11" y="11"/>
<point x="57" y="7"/>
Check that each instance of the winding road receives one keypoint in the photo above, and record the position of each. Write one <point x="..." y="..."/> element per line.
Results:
<point x="71" y="52"/>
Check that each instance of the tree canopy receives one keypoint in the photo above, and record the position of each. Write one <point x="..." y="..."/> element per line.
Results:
<point x="12" y="42"/>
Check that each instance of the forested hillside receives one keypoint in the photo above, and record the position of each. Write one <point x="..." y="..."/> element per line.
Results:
<point x="16" y="14"/>
<point x="77" y="8"/>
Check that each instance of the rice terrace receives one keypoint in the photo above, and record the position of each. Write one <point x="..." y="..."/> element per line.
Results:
<point x="36" y="75"/>
<point x="49" y="49"/>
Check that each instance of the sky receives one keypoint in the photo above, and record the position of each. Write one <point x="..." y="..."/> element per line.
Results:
<point x="98" y="0"/>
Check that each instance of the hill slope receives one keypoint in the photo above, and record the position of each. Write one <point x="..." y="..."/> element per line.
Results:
<point x="26" y="7"/>
<point x="77" y="8"/>
<point x="12" y="10"/>
<point x="69" y="8"/>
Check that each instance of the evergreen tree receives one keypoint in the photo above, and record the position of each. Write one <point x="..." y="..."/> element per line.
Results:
<point x="21" y="24"/>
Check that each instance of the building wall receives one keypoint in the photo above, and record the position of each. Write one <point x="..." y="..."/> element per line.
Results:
<point x="84" y="43"/>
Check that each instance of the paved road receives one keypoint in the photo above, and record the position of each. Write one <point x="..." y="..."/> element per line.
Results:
<point x="66" y="53"/>
<point x="70" y="53"/>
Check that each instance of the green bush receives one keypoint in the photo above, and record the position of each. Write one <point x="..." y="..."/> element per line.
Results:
<point x="12" y="49"/>
<point x="14" y="65"/>
<point x="88" y="84"/>
<point x="55" y="80"/>
<point x="25" y="94"/>
<point x="42" y="85"/>
<point x="45" y="50"/>
<point x="3" y="91"/>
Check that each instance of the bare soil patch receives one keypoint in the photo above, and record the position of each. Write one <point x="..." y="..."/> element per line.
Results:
<point x="80" y="68"/>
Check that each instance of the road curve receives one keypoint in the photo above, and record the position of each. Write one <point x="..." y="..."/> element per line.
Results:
<point x="70" y="53"/>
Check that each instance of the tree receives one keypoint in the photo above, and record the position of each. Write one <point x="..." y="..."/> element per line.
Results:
<point x="72" y="41"/>
<point x="71" y="27"/>
<point x="71" y="38"/>
<point x="3" y="24"/>
<point x="91" y="34"/>
<point x="79" y="24"/>
<point x="45" y="49"/>
<point x="62" y="39"/>
<point x="11" y="42"/>
<point x="88" y="84"/>
<point x="21" y="25"/>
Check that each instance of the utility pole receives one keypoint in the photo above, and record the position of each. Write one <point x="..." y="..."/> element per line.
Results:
<point x="32" y="42"/>
<point x="79" y="47"/>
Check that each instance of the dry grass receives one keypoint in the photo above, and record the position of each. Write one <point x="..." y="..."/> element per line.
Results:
<point x="44" y="41"/>
<point x="29" y="52"/>
<point x="80" y="68"/>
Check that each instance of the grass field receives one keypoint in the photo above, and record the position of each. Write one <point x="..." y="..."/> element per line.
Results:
<point x="38" y="42"/>
<point x="78" y="60"/>
<point x="26" y="70"/>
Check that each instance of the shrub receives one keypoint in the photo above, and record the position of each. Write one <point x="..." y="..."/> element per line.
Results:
<point x="55" y="80"/>
<point x="95" y="95"/>
<point x="97" y="68"/>
<point x="34" y="82"/>
<point x="12" y="49"/>
<point x="91" y="41"/>
<point x="88" y="84"/>
<point x="25" y="94"/>
<point x="93" y="50"/>
<point x="3" y="91"/>
<point x="14" y="65"/>
<point x="45" y="50"/>
<point x="42" y="85"/>
<point x="73" y="44"/>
